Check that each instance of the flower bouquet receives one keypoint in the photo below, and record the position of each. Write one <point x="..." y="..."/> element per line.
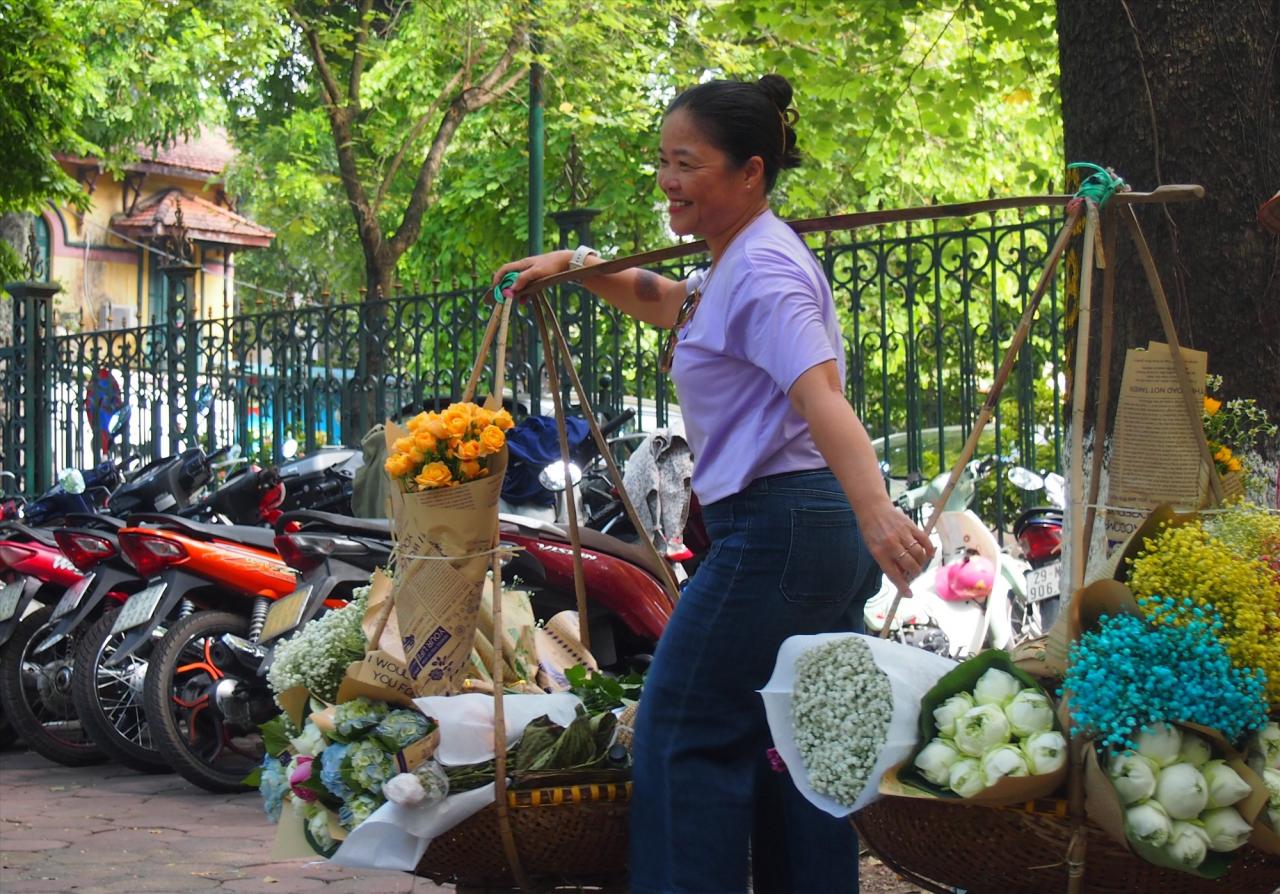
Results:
<point x="988" y="734"/>
<point x="1262" y="754"/>
<point x="1233" y="428"/>
<point x="843" y="708"/>
<point x="446" y="472"/>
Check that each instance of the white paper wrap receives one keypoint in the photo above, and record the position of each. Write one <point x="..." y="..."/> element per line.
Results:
<point x="912" y="672"/>
<point x="396" y="836"/>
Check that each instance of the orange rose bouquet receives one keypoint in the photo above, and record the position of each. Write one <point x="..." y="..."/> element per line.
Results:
<point x="448" y="448"/>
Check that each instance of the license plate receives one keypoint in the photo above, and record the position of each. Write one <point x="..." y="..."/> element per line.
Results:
<point x="138" y="609"/>
<point x="284" y="614"/>
<point x="70" y="599"/>
<point x="10" y="596"/>
<point x="1044" y="583"/>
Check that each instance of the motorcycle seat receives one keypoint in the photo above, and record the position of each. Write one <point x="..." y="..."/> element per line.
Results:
<point x="39" y="535"/>
<point x="332" y="523"/>
<point x="262" y="538"/>
<point x="634" y="553"/>
<point x="95" y="520"/>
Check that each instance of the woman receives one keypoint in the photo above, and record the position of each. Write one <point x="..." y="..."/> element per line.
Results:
<point x="780" y="459"/>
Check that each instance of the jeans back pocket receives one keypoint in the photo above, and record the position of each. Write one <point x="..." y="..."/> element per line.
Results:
<point x="824" y="556"/>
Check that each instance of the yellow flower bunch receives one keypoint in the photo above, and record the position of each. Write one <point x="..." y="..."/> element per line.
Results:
<point x="448" y="448"/>
<point x="1188" y="562"/>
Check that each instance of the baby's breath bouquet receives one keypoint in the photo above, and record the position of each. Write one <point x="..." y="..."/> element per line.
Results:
<point x="448" y="448"/>
<point x="316" y="657"/>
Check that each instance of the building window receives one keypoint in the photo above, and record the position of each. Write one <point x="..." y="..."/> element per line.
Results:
<point x="44" y="251"/>
<point x="157" y="290"/>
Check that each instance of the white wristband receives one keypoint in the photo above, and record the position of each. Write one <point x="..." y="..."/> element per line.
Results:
<point x="580" y="255"/>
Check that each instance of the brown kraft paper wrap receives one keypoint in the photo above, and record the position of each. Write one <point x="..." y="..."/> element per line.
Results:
<point x="437" y="601"/>
<point x="1103" y="807"/>
<point x="381" y="675"/>
<point x="905" y="780"/>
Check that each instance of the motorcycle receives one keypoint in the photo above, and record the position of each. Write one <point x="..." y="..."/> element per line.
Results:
<point x="115" y="650"/>
<point x="1038" y="531"/>
<point x="37" y="664"/>
<point x="963" y="599"/>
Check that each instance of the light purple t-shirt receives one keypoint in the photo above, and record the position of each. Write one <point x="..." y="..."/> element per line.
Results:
<point x="766" y="316"/>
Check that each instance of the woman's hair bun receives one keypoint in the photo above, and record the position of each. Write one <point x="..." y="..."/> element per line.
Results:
<point x="777" y="88"/>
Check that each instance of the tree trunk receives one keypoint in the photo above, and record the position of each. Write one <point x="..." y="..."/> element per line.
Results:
<point x="1186" y="91"/>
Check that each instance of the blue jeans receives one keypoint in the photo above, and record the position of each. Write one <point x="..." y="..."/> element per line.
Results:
<point x="786" y="558"/>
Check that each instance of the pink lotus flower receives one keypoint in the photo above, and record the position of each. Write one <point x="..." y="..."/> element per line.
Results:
<point x="300" y="774"/>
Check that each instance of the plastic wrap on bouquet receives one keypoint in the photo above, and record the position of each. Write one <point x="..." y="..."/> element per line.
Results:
<point x="437" y="601"/>
<point x="911" y="674"/>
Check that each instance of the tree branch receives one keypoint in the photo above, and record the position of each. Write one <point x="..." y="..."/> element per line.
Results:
<point x="357" y="55"/>
<point x="414" y="133"/>
<point x="468" y="100"/>
<point x="327" y="80"/>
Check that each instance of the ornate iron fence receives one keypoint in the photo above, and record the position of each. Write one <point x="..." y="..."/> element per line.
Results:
<point x="926" y="311"/>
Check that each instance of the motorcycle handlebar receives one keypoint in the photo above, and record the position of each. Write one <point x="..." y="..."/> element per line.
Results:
<point x="617" y="422"/>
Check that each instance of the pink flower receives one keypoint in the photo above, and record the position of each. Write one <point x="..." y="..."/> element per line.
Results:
<point x="300" y="774"/>
<point x="775" y="761"/>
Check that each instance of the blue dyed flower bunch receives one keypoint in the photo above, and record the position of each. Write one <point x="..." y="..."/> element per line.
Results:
<point x="1131" y="672"/>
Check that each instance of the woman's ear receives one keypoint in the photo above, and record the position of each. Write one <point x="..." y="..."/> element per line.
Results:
<point x="753" y="171"/>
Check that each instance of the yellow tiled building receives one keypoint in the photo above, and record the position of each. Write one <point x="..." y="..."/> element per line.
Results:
<point x="108" y="259"/>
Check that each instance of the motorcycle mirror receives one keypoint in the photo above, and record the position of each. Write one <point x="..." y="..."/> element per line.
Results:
<point x="119" y="420"/>
<point x="1055" y="487"/>
<point x="8" y="482"/>
<point x="233" y="452"/>
<point x="203" y="399"/>
<point x="552" y="477"/>
<point x="885" y="469"/>
<point x="1024" y="479"/>
<point x="289" y="449"/>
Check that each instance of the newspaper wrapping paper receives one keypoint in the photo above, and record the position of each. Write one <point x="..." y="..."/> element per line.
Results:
<point x="911" y="671"/>
<point x="396" y="836"/>
<point x="437" y="601"/>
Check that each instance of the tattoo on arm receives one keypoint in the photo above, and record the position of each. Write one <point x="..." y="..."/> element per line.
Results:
<point x="648" y="286"/>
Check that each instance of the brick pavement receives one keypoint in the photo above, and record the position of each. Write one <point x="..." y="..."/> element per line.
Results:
<point x="105" y="829"/>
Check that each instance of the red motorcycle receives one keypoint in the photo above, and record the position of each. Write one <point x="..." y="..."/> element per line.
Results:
<point x="37" y="694"/>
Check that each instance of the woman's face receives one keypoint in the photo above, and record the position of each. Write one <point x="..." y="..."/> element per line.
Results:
<point x="706" y="193"/>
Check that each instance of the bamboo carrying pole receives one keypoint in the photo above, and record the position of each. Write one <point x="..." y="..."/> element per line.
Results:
<point x="1078" y="396"/>
<point x="1103" y="400"/>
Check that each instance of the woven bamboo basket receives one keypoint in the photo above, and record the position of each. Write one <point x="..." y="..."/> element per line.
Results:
<point x="942" y="846"/>
<point x="574" y="835"/>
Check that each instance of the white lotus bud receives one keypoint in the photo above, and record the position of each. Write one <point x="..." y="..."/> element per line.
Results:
<point x="1227" y="829"/>
<point x="1029" y="712"/>
<point x="1046" y="752"/>
<point x="1161" y="742"/>
<point x="1147" y="822"/>
<point x="1002" y="761"/>
<point x="1225" y="785"/>
<point x="1272" y="779"/>
<point x="965" y="778"/>
<point x="1188" y="844"/>
<point x="981" y="729"/>
<point x="1133" y="776"/>
<point x="935" y="759"/>
<point x="995" y="687"/>
<point x="404" y="788"/>
<point x="1195" y="750"/>
<point x="1267" y="741"/>
<point x="947" y="713"/>
<point x="1182" y="791"/>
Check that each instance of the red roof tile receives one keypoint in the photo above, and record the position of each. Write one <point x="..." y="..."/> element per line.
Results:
<point x="208" y="152"/>
<point x="155" y="215"/>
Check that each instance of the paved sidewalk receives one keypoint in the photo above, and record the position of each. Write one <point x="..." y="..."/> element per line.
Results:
<point x="105" y="829"/>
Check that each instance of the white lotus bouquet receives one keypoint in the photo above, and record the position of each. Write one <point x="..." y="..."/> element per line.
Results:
<point x="1180" y="799"/>
<point x="1002" y="728"/>
<point x="1263" y="757"/>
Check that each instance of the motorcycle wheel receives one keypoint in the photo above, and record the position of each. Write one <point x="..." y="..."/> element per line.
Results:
<point x="109" y="700"/>
<point x="8" y="735"/>
<point x="37" y="695"/>
<point x="185" y="694"/>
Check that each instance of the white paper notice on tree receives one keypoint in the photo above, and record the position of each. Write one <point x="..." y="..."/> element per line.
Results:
<point x="1155" y="452"/>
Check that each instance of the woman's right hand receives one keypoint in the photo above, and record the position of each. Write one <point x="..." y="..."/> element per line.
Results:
<point x="532" y="269"/>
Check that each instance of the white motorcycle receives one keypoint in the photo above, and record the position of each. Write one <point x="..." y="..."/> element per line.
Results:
<point x="963" y="600"/>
